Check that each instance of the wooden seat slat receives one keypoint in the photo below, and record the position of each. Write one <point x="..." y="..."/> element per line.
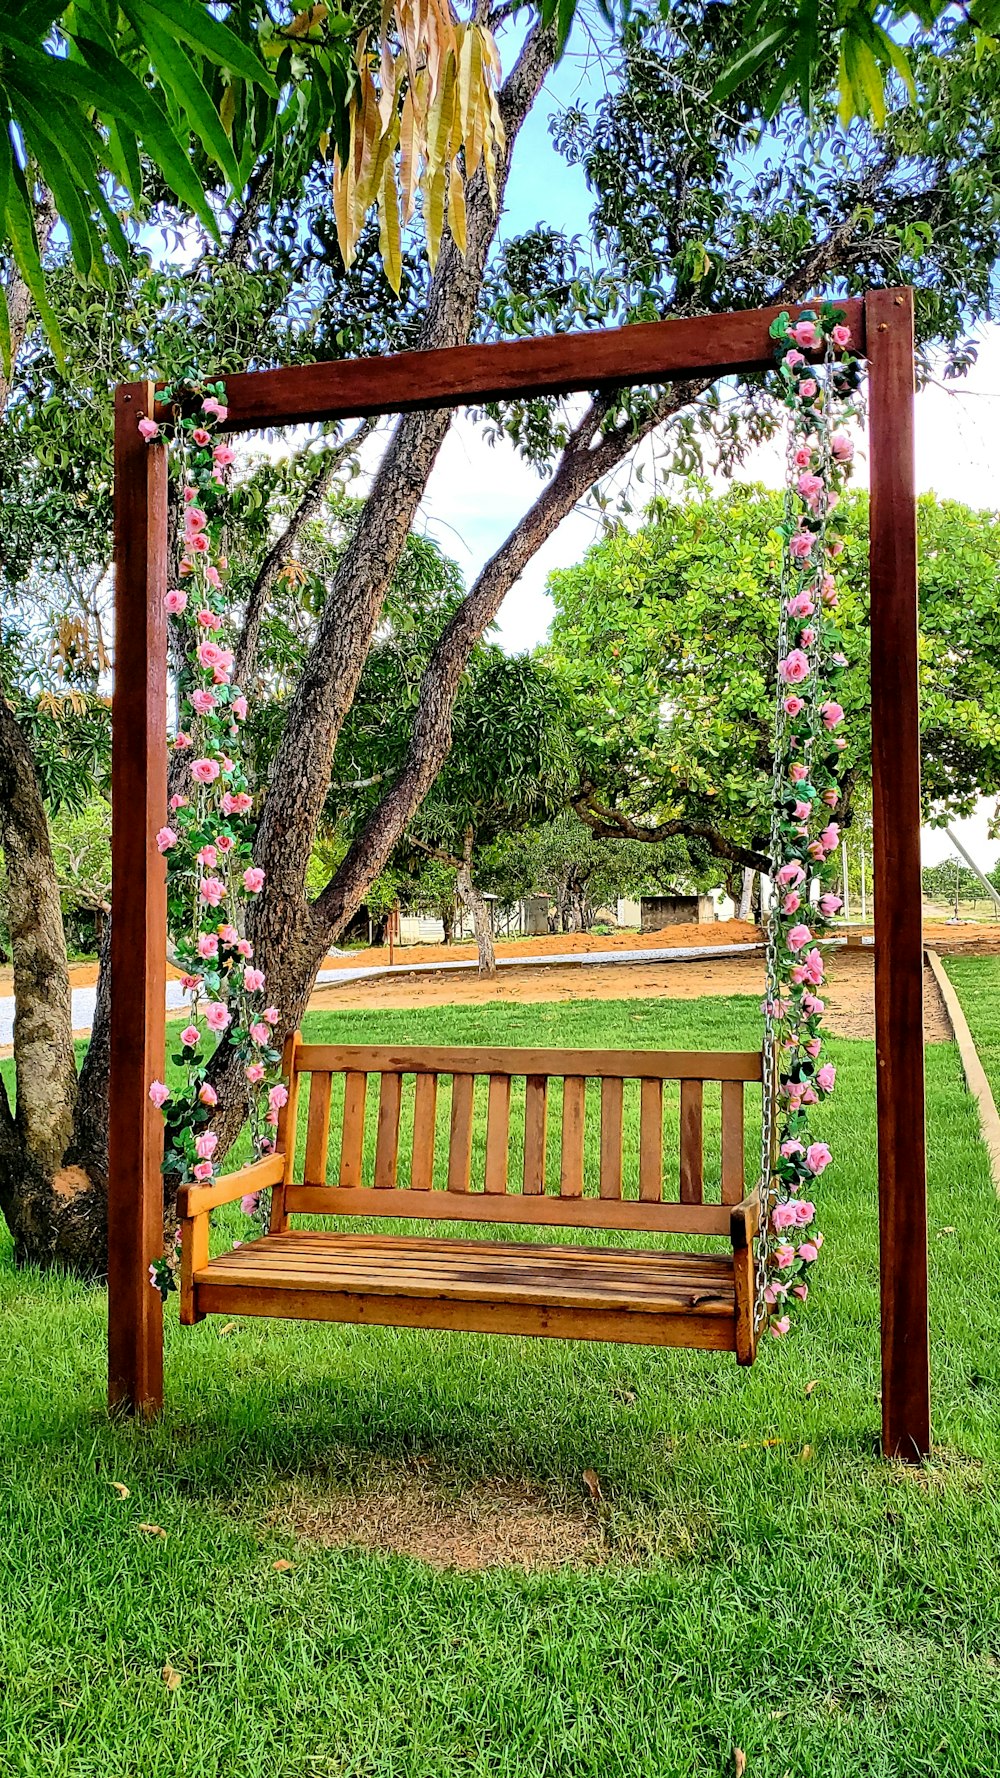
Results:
<point x="547" y="1210"/>
<point x="425" y="1089"/>
<point x="733" y="1169"/>
<point x="612" y="1126"/>
<point x="318" y="1129"/>
<point x="651" y="1141"/>
<point x="497" y="1134"/>
<point x="573" y="1115"/>
<point x="536" y="1104"/>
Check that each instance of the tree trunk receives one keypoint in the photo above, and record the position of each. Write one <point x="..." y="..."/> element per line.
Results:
<point x="447" y="913"/>
<point x="746" y="894"/>
<point x="478" y="910"/>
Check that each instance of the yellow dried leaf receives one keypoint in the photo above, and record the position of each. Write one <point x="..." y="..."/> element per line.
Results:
<point x="739" y="1762"/>
<point x="591" y="1482"/>
<point x="806" y="1453"/>
<point x="229" y="1328"/>
<point x="281" y="1566"/>
<point x="170" y="1677"/>
<point x="811" y="1385"/>
<point x="456" y="207"/>
<point x="304" y="22"/>
<point x="120" y="1489"/>
<point x="153" y="1530"/>
<point x="390" y="234"/>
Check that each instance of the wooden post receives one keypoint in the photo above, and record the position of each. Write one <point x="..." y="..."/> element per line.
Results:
<point x="899" y="1037"/>
<point x="138" y="903"/>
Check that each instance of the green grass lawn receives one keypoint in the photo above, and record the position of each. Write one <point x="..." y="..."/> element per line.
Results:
<point x="977" y="983"/>
<point x="832" y="1615"/>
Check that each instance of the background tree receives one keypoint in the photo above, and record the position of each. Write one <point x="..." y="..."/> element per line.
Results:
<point x="579" y="873"/>
<point x="666" y="639"/>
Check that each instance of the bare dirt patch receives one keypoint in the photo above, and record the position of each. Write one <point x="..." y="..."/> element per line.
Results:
<point x="849" y="995"/>
<point x="499" y="1525"/>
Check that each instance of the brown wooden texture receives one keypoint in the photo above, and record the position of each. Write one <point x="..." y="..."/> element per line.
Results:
<point x="651" y="1141"/>
<point x="573" y="1121"/>
<point x="536" y="1102"/>
<point x="612" y="1112"/>
<point x="460" y="1148"/>
<point x="352" y="1137"/>
<point x="318" y="1129"/>
<point x="497" y="1134"/>
<point x="387" y="1134"/>
<point x="527" y="1208"/>
<point x="592" y="1064"/>
<point x="692" y="1172"/>
<point x="657" y="351"/>
<point x="139" y="911"/>
<point x="899" y="1040"/>
<point x="194" y="1258"/>
<point x="424" y="1132"/>
<point x="732" y="1141"/>
<point x="193" y="1200"/>
<point x="287" y="1131"/>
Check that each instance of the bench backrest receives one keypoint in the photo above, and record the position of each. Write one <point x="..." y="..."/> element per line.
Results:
<point x="508" y="1188"/>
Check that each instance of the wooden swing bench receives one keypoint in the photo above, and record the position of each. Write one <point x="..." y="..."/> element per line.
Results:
<point x="642" y="1296"/>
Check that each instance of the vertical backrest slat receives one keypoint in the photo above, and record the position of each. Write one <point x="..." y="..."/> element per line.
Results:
<point x="424" y="1132"/>
<point x="288" y="1123"/>
<point x="318" y="1129"/>
<point x="692" y="1173"/>
<point x="497" y="1133"/>
<point x="573" y="1119"/>
<point x="612" y="1108"/>
<point x="732" y="1141"/>
<point x="460" y="1148"/>
<point x="651" y="1141"/>
<point x="536" y="1104"/>
<point x="352" y="1140"/>
<point x="387" y="1135"/>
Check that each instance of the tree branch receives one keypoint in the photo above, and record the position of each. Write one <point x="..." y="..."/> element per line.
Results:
<point x="612" y="824"/>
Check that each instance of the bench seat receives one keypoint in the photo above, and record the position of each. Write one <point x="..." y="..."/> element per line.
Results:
<point x="640" y="1296"/>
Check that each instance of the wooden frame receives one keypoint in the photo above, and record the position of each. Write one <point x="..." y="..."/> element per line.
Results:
<point x="716" y="346"/>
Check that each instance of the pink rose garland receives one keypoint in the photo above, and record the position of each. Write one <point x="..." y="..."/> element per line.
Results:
<point x="810" y="758"/>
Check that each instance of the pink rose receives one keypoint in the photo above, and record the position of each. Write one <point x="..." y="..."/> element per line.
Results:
<point x="203" y="701"/>
<point x="201" y="437"/>
<point x="175" y="601"/>
<point x="149" y="429"/>
<point x="208" y="857"/>
<point x="272" y="1015"/>
<point x="783" y="1216"/>
<point x="255" y="1073"/>
<point x="239" y="708"/>
<point x="835" y="546"/>
<point x="794" y="358"/>
<point x="818" y="1157"/>
<point x="212" y="891"/>
<point x="181" y="740"/>
<point x="801" y="606"/>
<point x="814" y="1006"/>
<point x="159" y="1093"/>
<point x="208" y="945"/>
<point x="212" y="405"/>
<point x="237" y="802"/>
<point x="830" y="837"/>
<point x="260" y="1032"/>
<point x="798" y="938"/>
<point x="801" y="544"/>
<point x="826" y="1076"/>
<point x="803" y="456"/>
<point x="204" y="771"/>
<point x="791" y="1148"/>
<point x="203" y="1170"/>
<point x="830" y="904"/>
<point x="794" y="668"/>
<point x="798" y="773"/>
<point x="208" y="620"/>
<point x="245" y="948"/>
<point x="801" y="1291"/>
<point x="808" y="388"/>
<point x="790" y="875"/>
<point x="841" y="446"/>
<point x="250" y="1203"/>
<point x="801" y="811"/>
<point x="191" y="984"/>
<point x="784" y="1257"/>
<point x="212" y="575"/>
<point x="253" y="880"/>
<point x="205" y="1145"/>
<point x="225" y="842"/>
<point x="223" y="455"/>
<point x="253" y="980"/>
<point x="832" y="713"/>
<point x="208" y="1094"/>
<point x="190" y="1037"/>
<point x="277" y="1097"/>
<point x="804" y="1212"/>
<point x="228" y="935"/>
<point x="809" y="486"/>
<point x="808" y="637"/>
<point x="165" y="838"/>
<point x="831" y="798"/>
<point x="791" y="903"/>
<point x="814" y="967"/>
<point x="272" y="1119"/>
<point x="195" y="520"/>
<point x="804" y="334"/>
<point x="793" y="706"/>
<point x="178" y="802"/>
<point x="808" y="1252"/>
<point x="210" y="654"/>
<point x="779" y="1326"/>
<point x="216" y="1015"/>
<point x="814" y="1045"/>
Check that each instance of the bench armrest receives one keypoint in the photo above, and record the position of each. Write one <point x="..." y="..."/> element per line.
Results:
<point x="744" y="1219"/>
<point x="195" y="1200"/>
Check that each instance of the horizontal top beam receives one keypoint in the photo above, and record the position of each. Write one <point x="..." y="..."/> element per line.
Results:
<point x="658" y="351"/>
